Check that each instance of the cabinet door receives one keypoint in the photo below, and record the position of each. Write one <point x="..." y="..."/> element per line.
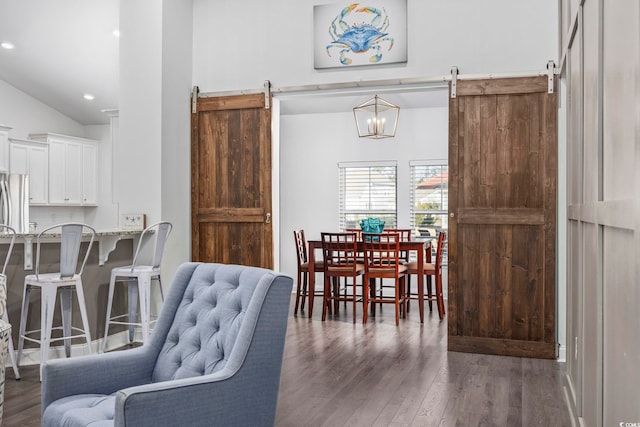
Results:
<point x="57" y="172"/>
<point x="19" y="155"/>
<point x="38" y="175"/>
<point x="4" y="151"/>
<point x="73" y="179"/>
<point x="32" y="160"/>
<point x="90" y="174"/>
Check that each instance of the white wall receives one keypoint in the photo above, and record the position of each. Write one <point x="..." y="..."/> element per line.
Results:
<point x="26" y="115"/>
<point x="313" y="144"/>
<point x="176" y="143"/>
<point x="238" y="45"/>
<point x="137" y="151"/>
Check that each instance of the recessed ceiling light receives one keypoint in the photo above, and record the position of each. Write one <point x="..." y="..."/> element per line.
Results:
<point x="89" y="97"/>
<point x="7" y="45"/>
<point x="116" y="33"/>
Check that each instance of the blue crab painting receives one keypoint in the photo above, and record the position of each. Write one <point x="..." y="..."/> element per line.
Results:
<point x="360" y="37"/>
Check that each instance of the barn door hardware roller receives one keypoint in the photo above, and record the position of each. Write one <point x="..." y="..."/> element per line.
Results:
<point x="454" y="81"/>
<point x="267" y="94"/>
<point x="551" y="70"/>
<point x="194" y="99"/>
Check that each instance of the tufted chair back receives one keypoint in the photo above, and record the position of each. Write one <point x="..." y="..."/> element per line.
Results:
<point x="206" y="323"/>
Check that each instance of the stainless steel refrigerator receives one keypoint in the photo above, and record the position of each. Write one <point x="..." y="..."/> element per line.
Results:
<point x="14" y="201"/>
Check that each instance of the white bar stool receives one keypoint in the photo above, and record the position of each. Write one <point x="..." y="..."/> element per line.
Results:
<point x="138" y="280"/>
<point x="5" y="229"/>
<point x="67" y="280"/>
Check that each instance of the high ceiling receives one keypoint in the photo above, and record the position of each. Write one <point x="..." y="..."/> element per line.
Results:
<point x="66" y="48"/>
<point x="63" y="50"/>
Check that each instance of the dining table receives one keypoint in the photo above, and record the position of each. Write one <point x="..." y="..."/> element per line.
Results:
<point x="417" y="246"/>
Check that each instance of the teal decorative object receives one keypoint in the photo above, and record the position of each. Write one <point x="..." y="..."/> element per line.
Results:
<point x="372" y="225"/>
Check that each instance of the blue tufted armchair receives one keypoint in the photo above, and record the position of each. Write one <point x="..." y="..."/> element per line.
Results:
<point x="214" y="358"/>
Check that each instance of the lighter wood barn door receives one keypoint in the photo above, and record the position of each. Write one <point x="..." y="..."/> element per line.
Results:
<point x="502" y="218"/>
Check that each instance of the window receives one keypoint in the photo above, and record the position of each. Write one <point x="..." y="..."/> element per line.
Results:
<point x="429" y="197"/>
<point x="367" y="190"/>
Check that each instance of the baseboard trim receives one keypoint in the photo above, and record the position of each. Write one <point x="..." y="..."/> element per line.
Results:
<point x="562" y="354"/>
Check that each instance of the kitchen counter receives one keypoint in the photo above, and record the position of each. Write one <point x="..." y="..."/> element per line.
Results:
<point x="105" y="239"/>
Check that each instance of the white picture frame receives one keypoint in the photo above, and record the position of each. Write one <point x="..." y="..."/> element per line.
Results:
<point x="132" y="221"/>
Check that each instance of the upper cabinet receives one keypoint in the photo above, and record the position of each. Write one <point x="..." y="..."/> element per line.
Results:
<point x="4" y="148"/>
<point x="31" y="158"/>
<point x="73" y="174"/>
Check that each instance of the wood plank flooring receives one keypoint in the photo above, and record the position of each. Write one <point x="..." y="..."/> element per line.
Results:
<point x="336" y="373"/>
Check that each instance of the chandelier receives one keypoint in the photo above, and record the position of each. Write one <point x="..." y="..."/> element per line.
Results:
<point x="376" y="118"/>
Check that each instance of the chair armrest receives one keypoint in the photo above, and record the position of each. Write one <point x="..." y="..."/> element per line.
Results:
<point x="221" y="399"/>
<point x="102" y="373"/>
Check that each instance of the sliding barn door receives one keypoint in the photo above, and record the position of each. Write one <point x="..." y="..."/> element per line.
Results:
<point x="502" y="217"/>
<point x="231" y="181"/>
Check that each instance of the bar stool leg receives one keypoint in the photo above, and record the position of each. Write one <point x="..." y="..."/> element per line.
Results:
<point x="47" y="306"/>
<point x="112" y="283"/>
<point x="23" y="320"/>
<point x="144" y="291"/>
<point x="132" y="301"/>
<point x="65" y="309"/>
<point x="12" y="353"/>
<point x="83" y="313"/>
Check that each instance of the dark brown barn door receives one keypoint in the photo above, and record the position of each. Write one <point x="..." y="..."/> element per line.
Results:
<point x="502" y="217"/>
<point x="231" y="181"/>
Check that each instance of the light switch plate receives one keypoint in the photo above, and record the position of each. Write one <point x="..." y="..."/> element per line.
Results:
<point x="132" y="221"/>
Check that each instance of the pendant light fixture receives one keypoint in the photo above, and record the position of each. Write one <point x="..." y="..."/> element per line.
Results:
<point x="376" y="118"/>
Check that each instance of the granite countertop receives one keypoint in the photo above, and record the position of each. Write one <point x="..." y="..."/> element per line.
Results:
<point x="99" y="233"/>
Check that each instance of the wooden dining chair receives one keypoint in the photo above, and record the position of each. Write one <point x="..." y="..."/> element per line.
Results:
<point x="303" y="274"/>
<point x="403" y="258"/>
<point x="340" y="252"/>
<point x="405" y="236"/>
<point x="382" y="261"/>
<point x="430" y="269"/>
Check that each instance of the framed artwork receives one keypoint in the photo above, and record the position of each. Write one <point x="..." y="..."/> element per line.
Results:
<point x="354" y="34"/>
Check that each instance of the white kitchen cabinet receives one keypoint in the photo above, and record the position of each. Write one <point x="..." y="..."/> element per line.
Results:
<point x="73" y="179"/>
<point x="4" y="148"/>
<point x="89" y="174"/>
<point x="31" y="158"/>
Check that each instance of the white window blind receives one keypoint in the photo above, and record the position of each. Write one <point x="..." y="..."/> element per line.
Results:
<point x="429" y="197"/>
<point x="367" y="190"/>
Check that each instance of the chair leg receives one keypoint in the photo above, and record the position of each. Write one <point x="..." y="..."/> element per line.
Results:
<point x="429" y="293"/>
<point x="304" y="290"/>
<point x="12" y="353"/>
<point x="355" y="299"/>
<point x="144" y="291"/>
<point x="397" y="304"/>
<point x="160" y="286"/>
<point x="325" y="297"/>
<point x="310" y="295"/>
<point x="65" y="310"/>
<point x="440" y="296"/>
<point x="83" y="314"/>
<point x="47" y="306"/>
<point x="23" y="320"/>
<point x="132" y="303"/>
<point x="298" y="286"/>
<point x="112" y="284"/>
<point x="365" y="300"/>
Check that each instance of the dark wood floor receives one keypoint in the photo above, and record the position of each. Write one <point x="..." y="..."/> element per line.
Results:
<point x="336" y="373"/>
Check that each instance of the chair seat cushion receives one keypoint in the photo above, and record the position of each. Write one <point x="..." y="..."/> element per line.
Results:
<point x="96" y="410"/>
<point x="413" y="268"/>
